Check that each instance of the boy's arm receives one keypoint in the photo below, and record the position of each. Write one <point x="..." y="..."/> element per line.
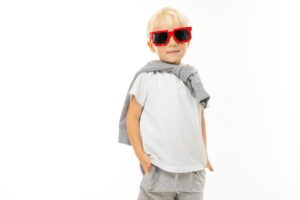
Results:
<point x="133" y="128"/>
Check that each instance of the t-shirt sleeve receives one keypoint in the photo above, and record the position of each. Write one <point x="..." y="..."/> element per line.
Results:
<point x="140" y="88"/>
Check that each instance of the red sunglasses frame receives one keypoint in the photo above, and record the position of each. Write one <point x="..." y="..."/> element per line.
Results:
<point x="188" y="28"/>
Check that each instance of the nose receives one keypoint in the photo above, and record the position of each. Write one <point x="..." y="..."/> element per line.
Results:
<point x="172" y="42"/>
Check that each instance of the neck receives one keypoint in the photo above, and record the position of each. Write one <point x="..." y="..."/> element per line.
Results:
<point x="171" y="62"/>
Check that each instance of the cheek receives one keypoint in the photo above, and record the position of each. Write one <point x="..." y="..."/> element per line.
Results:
<point x="183" y="46"/>
<point x="183" y="49"/>
<point x="161" y="50"/>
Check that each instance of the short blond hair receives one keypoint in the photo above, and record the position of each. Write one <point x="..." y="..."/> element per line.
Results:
<point x="168" y="14"/>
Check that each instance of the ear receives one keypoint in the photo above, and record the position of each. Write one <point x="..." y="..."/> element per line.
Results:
<point x="151" y="46"/>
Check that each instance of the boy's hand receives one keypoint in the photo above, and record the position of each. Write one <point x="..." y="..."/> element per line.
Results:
<point x="146" y="163"/>
<point x="209" y="166"/>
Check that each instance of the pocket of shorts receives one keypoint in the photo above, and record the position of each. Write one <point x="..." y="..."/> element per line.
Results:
<point x="198" y="180"/>
<point x="147" y="182"/>
<point x="151" y="169"/>
<point x="201" y="173"/>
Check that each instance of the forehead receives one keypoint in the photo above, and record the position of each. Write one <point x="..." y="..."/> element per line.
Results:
<point x="167" y="23"/>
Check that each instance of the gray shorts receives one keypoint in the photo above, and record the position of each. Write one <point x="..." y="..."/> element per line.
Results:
<point x="159" y="184"/>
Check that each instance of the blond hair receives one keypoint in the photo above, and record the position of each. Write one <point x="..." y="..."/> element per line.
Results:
<point x="167" y="14"/>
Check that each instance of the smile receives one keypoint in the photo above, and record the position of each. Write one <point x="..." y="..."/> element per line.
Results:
<point x="175" y="51"/>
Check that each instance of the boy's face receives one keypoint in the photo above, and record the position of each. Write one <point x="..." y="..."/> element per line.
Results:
<point x="172" y="52"/>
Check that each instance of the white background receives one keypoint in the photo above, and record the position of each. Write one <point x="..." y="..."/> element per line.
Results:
<point x="65" y="68"/>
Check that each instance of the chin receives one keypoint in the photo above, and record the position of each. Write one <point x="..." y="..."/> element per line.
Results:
<point x="174" y="61"/>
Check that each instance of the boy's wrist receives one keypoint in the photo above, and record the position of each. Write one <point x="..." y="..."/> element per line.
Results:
<point x="144" y="159"/>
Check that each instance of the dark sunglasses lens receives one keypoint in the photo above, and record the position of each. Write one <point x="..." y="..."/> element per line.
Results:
<point x="160" y="38"/>
<point x="182" y="35"/>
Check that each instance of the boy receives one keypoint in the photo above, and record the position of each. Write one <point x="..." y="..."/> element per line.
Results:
<point x="163" y="117"/>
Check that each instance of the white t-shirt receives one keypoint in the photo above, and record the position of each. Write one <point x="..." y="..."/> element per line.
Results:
<point x="170" y="123"/>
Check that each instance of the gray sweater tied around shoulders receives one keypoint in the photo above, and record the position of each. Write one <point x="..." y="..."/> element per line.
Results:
<point x="187" y="73"/>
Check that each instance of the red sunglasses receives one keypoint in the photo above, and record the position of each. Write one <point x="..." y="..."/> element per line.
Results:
<point x="162" y="37"/>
